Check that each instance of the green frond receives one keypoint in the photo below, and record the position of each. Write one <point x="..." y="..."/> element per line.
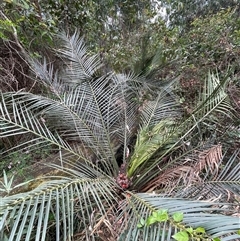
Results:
<point x="213" y="103"/>
<point x="94" y="114"/>
<point x="57" y="203"/>
<point x="97" y="122"/>
<point x="150" y="154"/>
<point x="164" y="105"/>
<point x="18" y="119"/>
<point x="195" y="214"/>
<point x="157" y="133"/>
<point x="80" y="65"/>
<point x="213" y="98"/>
<point x="150" y="140"/>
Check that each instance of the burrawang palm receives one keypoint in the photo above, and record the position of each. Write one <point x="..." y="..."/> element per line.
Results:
<point x="132" y="165"/>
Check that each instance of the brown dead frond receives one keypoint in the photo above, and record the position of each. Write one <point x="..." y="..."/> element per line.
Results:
<point x="208" y="160"/>
<point x="169" y="178"/>
<point x="100" y="226"/>
<point x="189" y="171"/>
<point x="109" y="226"/>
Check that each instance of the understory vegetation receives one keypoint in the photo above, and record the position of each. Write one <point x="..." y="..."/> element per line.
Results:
<point x="122" y="129"/>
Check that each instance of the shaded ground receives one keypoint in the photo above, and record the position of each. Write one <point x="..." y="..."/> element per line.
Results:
<point x="39" y="170"/>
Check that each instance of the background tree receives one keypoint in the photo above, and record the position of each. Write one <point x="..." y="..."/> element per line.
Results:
<point x="182" y="13"/>
<point x="111" y="28"/>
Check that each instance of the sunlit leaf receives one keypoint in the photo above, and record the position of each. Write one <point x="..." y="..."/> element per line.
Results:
<point x="181" y="236"/>
<point x="200" y="230"/>
<point x="178" y="217"/>
<point x="162" y="215"/>
<point x="151" y="220"/>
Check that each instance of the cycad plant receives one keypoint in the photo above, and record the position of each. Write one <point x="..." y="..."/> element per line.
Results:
<point x="132" y="165"/>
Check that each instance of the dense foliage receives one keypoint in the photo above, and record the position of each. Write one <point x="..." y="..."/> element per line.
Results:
<point x="135" y="137"/>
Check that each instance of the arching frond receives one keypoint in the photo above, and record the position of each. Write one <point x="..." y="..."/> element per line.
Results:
<point x="95" y="114"/>
<point x="158" y="131"/>
<point x="80" y="65"/>
<point x="164" y="105"/>
<point x="57" y="203"/>
<point x="91" y="119"/>
<point x="214" y="101"/>
<point x="188" y="170"/>
<point x="213" y="98"/>
<point x="223" y="184"/>
<point x="195" y="214"/>
<point x="17" y="119"/>
<point x="149" y="141"/>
